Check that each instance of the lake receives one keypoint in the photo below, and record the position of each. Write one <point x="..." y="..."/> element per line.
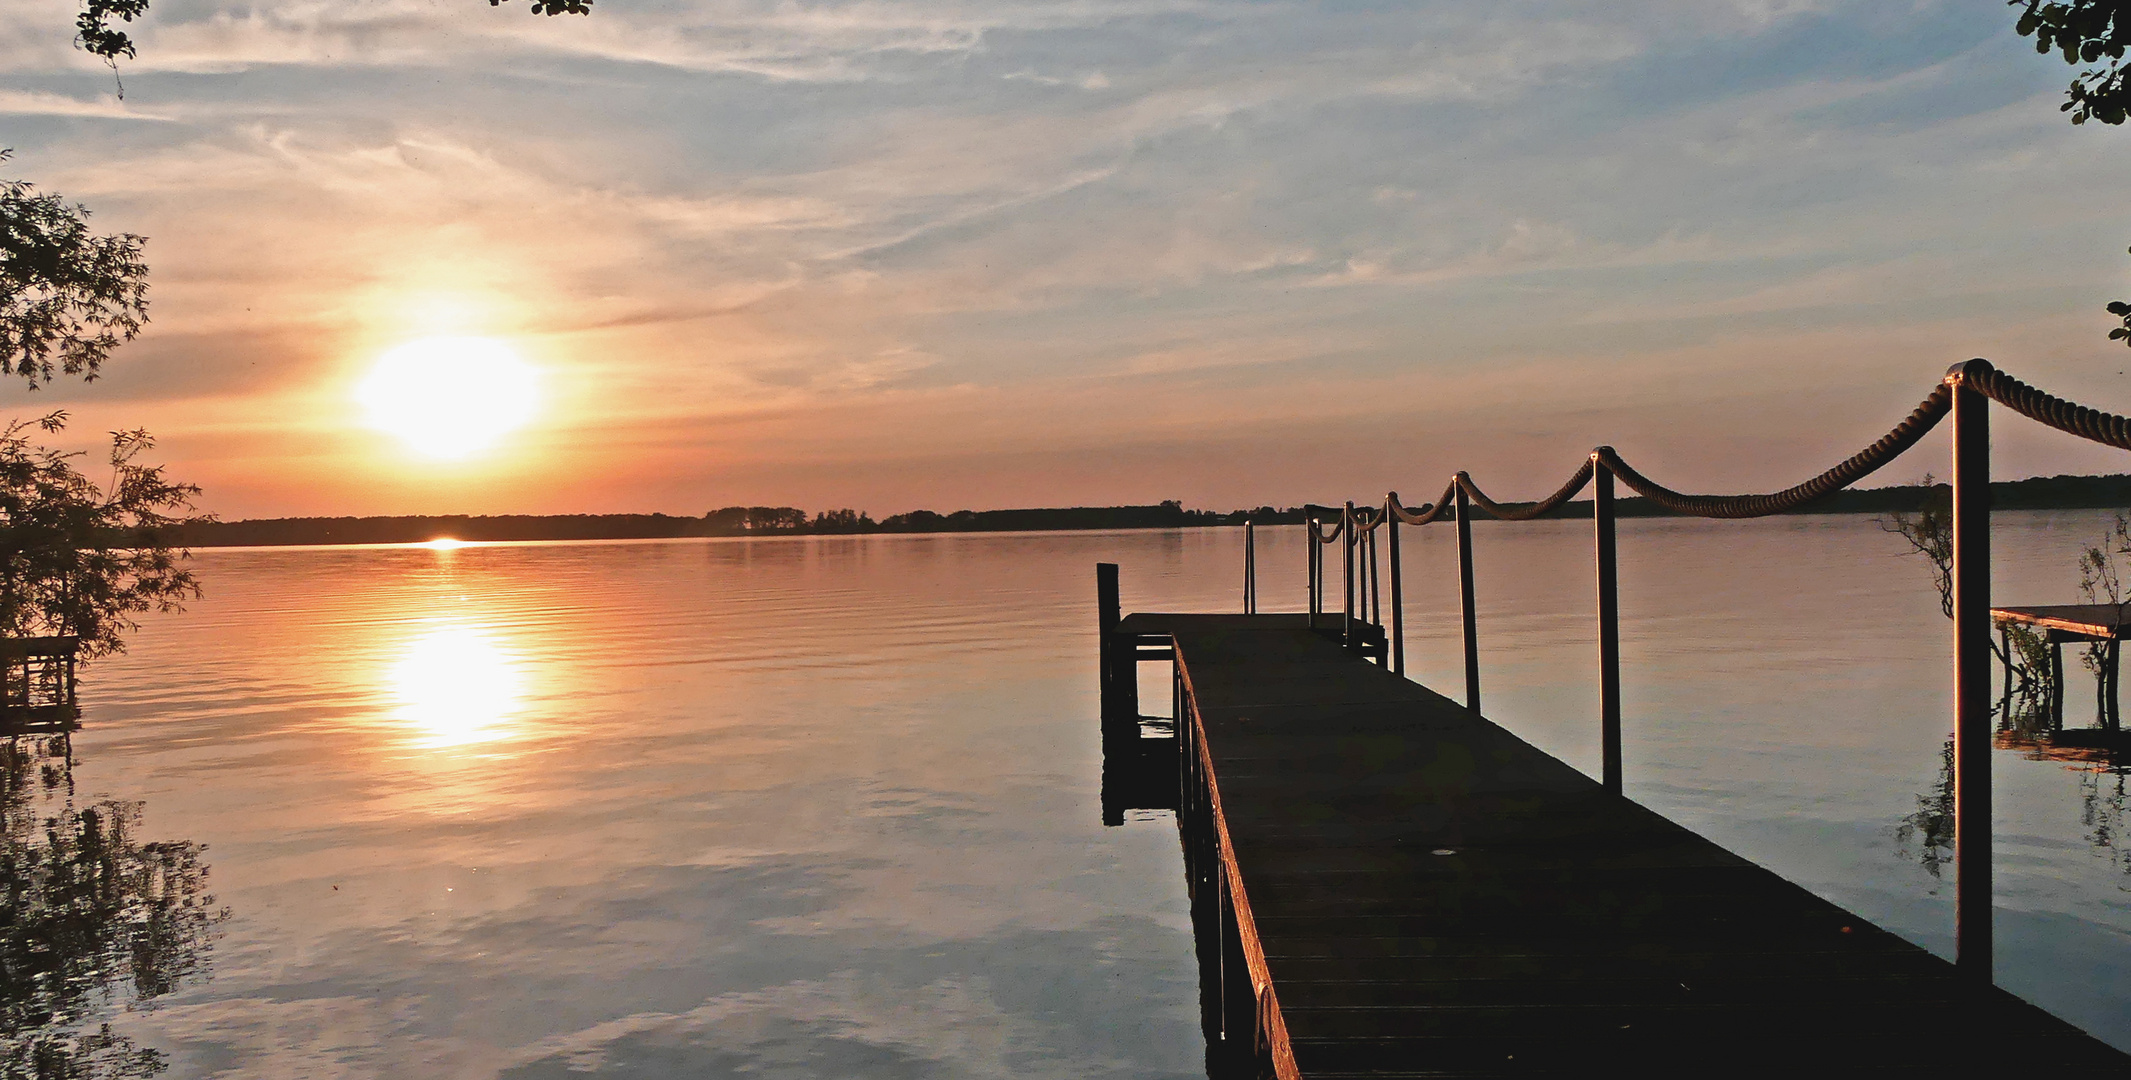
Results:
<point x="830" y="806"/>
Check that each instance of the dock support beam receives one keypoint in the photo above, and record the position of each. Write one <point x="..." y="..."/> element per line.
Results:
<point x="1346" y="566"/>
<point x="1118" y="659"/>
<point x="1398" y="595"/>
<point x="1376" y="583"/>
<point x="1472" y="630"/>
<point x="1310" y="533"/>
<point x="1608" y="626"/>
<point x="1971" y="678"/>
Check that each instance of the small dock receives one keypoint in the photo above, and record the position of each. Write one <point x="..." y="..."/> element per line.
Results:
<point x="37" y="685"/>
<point x="1386" y="884"/>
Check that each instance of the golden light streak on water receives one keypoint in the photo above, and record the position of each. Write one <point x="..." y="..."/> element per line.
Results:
<point x="457" y="684"/>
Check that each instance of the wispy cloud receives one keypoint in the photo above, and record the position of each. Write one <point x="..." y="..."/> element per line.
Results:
<point x="39" y="103"/>
<point x="973" y="230"/>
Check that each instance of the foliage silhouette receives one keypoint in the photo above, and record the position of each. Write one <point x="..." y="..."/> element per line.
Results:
<point x="1929" y="533"/>
<point x="2084" y="32"/>
<point x="79" y="558"/>
<point x="1931" y="826"/>
<point x="92" y="918"/>
<point x="97" y="32"/>
<point x="2087" y="32"/>
<point x="76" y="557"/>
<point x="67" y="295"/>
<point x="2102" y="582"/>
<point x="2027" y="715"/>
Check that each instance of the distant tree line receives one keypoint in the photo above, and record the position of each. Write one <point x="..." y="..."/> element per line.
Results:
<point x="747" y="520"/>
<point x="2041" y="493"/>
<point x="727" y="521"/>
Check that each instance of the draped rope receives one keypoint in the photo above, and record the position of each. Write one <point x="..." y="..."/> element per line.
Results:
<point x="1864" y="463"/>
<point x="2064" y="415"/>
<point x="1428" y="511"/>
<point x="1526" y="511"/>
<point x="2070" y="417"/>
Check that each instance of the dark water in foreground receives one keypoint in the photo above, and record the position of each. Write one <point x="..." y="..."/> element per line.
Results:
<point x="829" y="807"/>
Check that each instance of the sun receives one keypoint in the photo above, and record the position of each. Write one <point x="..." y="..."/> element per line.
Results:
<point x="450" y="397"/>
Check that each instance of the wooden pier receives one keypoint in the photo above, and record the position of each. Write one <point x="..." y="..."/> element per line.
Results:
<point x="37" y="685"/>
<point x="1386" y="884"/>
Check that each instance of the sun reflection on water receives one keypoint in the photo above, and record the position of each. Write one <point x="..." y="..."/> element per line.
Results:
<point x="456" y="684"/>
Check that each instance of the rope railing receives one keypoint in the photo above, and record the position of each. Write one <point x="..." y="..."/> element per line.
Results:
<point x="1963" y="395"/>
<point x="2069" y="417"/>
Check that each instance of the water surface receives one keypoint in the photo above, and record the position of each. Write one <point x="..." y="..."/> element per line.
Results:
<point x="830" y="806"/>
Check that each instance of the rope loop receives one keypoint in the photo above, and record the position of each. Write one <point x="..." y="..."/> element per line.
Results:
<point x="1317" y="528"/>
<point x="1527" y="511"/>
<point x="1864" y="463"/>
<point x="1428" y="511"/>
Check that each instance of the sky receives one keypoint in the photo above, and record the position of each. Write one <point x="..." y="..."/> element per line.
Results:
<point x="943" y="255"/>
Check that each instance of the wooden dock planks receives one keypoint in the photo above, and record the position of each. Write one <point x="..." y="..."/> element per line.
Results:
<point x="1388" y="885"/>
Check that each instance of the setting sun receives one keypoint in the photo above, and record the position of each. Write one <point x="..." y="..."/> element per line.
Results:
<point x="450" y="397"/>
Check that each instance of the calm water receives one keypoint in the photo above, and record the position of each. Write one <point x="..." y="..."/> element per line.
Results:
<point x="829" y="807"/>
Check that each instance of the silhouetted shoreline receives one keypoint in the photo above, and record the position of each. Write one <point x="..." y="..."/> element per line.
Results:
<point x="2040" y="493"/>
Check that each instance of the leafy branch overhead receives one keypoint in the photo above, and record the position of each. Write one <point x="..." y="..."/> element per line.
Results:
<point x="97" y="27"/>
<point x="2085" y="32"/>
<point x="67" y="295"/>
<point x="93" y="27"/>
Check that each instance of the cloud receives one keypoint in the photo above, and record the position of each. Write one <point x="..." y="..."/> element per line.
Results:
<point x="36" y="103"/>
<point x="974" y="226"/>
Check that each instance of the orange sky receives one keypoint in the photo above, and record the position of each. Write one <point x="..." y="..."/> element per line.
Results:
<point x="944" y="255"/>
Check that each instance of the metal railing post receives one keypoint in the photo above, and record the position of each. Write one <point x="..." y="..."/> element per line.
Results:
<point x="1250" y="568"/>
<point x="1472" y="630"/>
<point x="1971" y="676"/>
<point x="1318" y="546"/>
<point x="1346" y="565"/>
<point x="1398" y="598"/>
<point x="1309" y="540"/>
<point x="1608" y="626"/>
<point x="1376" y="582"/>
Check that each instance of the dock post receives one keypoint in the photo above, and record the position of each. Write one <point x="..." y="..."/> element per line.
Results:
<point x="2056" y="684"/>
<point x="1239" y="1000"/>
<point x="1310" y="533"/>
<point x="1118" y="658"/>
<point x="1346" y="567"/>
<point x="1608" y="625"/>
<point x="2005" y="669"/>
<point x="1398" y="598"/>
<point x="1186" y="755"/>
<point x="1250" y="567"/>
<point x="2111" y="718"/>
<point x="1472" y="630"/>
<point x="1971" y="676"/>
<point x="1201" y="868"/>
<point x="1106" y="620"/>
<point x="1376" y="582"/>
